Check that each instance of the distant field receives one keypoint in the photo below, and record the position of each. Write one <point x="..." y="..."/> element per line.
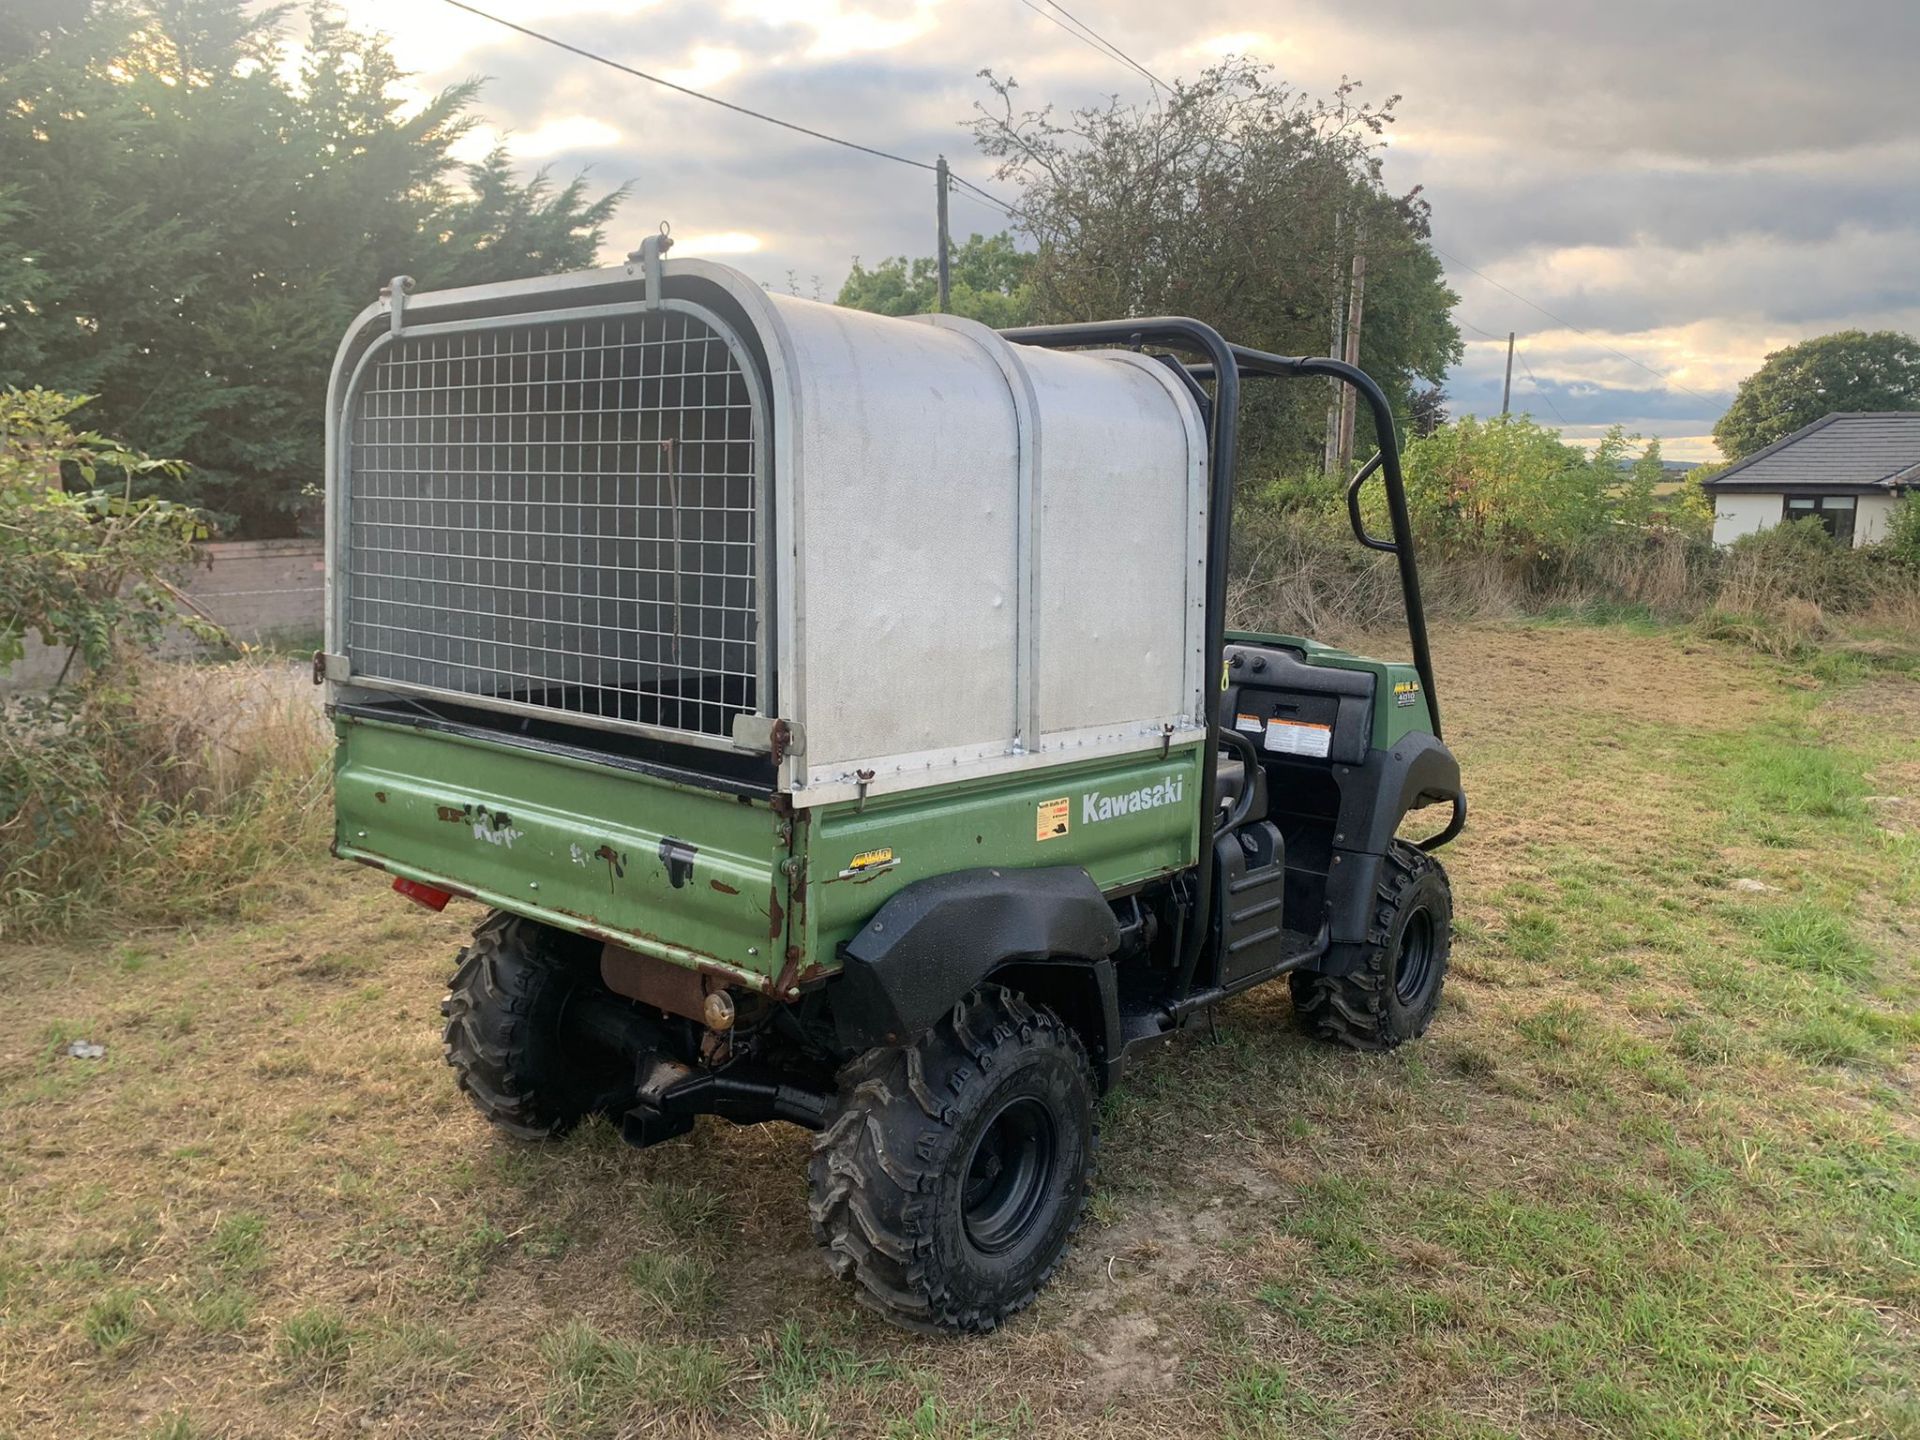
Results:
<point x="1655" y="1172"/>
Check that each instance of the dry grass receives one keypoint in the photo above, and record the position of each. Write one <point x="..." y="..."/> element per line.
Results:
<point x="168" y="798"/>
<point x="1652" y="1174"/>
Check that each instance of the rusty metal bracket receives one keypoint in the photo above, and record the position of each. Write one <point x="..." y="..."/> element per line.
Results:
<point x="764" y="735"/>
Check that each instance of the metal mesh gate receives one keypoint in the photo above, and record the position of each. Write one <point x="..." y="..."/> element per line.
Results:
<point x="561" y="514"/>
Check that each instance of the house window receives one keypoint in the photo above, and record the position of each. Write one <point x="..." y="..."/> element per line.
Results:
<point x="1833" y="511"/>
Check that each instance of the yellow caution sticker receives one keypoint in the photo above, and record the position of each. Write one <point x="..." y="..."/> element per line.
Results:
<point x="1052" y="819"/>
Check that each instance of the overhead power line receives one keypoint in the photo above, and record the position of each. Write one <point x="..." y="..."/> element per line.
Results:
<point x="1521" y="357"/>
<point x="1093" y="40"/>
<point x="1562" y="320"/>
<point x="1540" y="389"/>
<point x="1055" y="4"/>
<point x="751" y="114"/>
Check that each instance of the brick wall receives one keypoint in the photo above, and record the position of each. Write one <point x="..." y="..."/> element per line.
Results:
<point x="259" y="590"/>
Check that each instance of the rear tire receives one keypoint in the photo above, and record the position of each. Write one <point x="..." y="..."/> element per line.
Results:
<point x="1391" y="997"/>
<point x="956" y="1168"/>
<point x="504" y="1010"/>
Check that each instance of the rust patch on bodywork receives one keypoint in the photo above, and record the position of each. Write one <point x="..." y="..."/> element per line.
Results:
<point x="723" y="887"/>
<point x="451" y="815"/>
<point x="659" y="983"/>
<point x="783" y="986"/>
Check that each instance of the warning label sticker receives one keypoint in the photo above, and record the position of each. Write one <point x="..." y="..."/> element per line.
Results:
<point x="1252" y="724"/>
<point x="1299" y="737"/>
<point x="1051" y="821"/>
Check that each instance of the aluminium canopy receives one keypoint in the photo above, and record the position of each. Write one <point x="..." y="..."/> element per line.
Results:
<point x="934" y="554"/>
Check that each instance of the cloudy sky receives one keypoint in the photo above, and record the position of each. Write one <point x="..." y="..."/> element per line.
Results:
<point x="1683" y="184"/>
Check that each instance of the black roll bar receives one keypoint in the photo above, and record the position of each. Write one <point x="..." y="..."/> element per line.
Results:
<point x="1225" y="365"/>
<point x="1258" y="363"/>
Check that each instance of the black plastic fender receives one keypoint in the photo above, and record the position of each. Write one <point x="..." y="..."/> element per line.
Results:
<point x="1375" y="797"/>
<point x="938" y="938"/>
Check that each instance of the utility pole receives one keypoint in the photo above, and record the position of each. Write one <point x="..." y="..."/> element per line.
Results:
<point x="1349" y="397"/>
<point x="1506" y="390"/>
<point x="941" y="262"/>
<point x="1336" y="348"/>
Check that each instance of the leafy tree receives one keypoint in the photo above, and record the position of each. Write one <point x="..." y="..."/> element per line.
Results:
<point x="1637" y="500"/>
<point x="84" y="562"/>
<point x="1850" y="370"/>
<point x="187" y="225"/>
<point x="1240" y="201"/>
<point x="1428" y="410"/>
<point x="988" y="275"/>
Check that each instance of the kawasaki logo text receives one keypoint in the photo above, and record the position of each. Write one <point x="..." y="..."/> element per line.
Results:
<point x="1095" y="807"/>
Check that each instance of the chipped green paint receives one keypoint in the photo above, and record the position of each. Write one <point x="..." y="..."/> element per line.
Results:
<point x="703" y="878"/>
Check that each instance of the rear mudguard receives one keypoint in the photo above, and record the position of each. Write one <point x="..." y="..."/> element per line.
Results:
<point x="938" y="938"/>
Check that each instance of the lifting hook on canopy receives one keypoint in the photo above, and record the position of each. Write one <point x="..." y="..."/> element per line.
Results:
<point x="652" y="251"/>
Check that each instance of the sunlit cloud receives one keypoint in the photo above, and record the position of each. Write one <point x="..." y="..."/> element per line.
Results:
<point x="474" y="146"/>
<point x="839" y="30"/>
<point x="722" y="242"/>
<point x="1686" y="223"/>
<point x="1256" y="43"/>
<point x="707" y="67"/>
<point x="569" y="132"/>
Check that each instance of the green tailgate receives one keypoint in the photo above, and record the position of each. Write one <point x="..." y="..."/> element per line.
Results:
<point x="677" y="871"/>
<point x="700" y="876"/>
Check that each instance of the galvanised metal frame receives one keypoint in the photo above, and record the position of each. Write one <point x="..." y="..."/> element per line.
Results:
<point x="345" y="417"/>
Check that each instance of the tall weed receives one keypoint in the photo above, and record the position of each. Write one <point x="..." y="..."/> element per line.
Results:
<point x="165" y="794"/>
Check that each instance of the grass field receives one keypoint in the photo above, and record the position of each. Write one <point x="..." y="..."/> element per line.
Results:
<point x="1654" y="1172"/>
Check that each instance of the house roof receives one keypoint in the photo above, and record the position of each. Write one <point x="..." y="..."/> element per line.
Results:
<point x="1850" y="450"/>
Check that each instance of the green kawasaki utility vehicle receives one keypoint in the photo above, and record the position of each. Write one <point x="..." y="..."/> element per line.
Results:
<point x="837" y="717"/>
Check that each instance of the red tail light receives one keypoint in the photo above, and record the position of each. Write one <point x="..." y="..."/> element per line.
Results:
<point x="435" y="900"/>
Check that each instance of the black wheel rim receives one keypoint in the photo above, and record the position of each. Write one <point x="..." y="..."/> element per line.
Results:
<point x="1007" y="1175"/>
<point x="1413" y="966"/>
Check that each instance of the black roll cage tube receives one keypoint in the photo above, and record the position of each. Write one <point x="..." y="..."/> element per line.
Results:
<point x="1225" y="364"/>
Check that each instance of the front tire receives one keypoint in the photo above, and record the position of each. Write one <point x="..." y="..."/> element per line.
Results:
<point x="1391" y="997"/>
<point x="956" y="1169"/>
<point x="504" y="1011"/>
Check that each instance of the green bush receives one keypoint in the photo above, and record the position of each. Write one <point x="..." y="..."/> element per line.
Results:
<point x="163" y="786"/>
<point x="1901" y="544"/>
<point x="1507" y="485"/>
<point x="1798" y="560"/>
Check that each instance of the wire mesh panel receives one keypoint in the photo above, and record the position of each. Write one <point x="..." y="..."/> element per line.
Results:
<point x="561" y="514"/>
